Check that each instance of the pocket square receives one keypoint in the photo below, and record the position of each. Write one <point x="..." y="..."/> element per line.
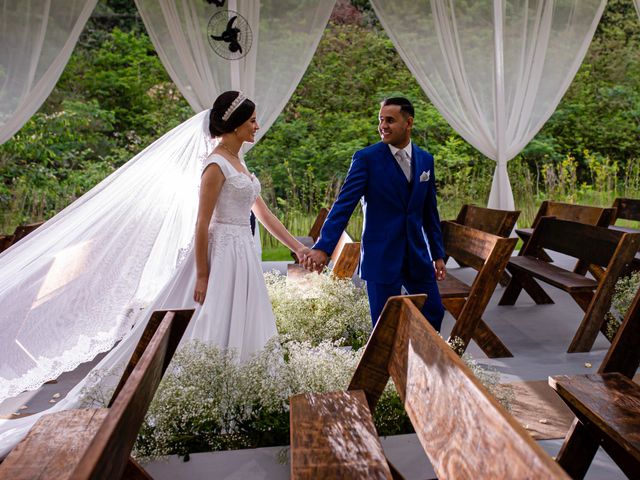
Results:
<point x="424" y="176"/>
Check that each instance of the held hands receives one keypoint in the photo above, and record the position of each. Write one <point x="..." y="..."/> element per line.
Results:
<point x="440" y="268"/>
<point x="201" y="289"/>
<point x="302" y="253"/>
<point x="316" y="260"/>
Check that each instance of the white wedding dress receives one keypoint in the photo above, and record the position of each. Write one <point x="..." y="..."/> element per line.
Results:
<point x="236" y="313"/>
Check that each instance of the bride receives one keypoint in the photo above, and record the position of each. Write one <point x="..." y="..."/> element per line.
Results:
<point x="82" y="268"/>
<point x="222" y="271"/>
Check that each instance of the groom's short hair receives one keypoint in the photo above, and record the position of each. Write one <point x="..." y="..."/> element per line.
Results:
<point x="405" y="105"/>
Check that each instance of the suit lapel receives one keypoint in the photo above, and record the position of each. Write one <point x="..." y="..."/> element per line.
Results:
<point x="417" y="167"/>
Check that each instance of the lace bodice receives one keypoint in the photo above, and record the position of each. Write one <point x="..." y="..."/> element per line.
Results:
<point x="237" y="196"/>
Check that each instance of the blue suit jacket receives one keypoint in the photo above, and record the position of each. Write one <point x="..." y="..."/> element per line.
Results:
<point x="399" y="218"/>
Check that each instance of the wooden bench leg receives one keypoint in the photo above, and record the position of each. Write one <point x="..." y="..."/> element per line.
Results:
<point x="584" y="300"/>
<point x="577" y="451"/>
<point x="519" y="281"/>
<point x="489" y="342"/>
<point x="505" y="279"/>
<point x="482" y="334"/>
<point x="134" y="471"/>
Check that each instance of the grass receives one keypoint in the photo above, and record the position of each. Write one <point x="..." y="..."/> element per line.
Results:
<point x="274" y="254"/>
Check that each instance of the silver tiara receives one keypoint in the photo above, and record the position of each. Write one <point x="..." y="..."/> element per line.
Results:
<point x="234" y="105"/>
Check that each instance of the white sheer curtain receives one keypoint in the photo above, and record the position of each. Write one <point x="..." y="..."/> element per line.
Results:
<point x="495" y="69"/>
<point x="285" y="34"/>
<point x="37" y="38"/>
<point x="637" y="4"/>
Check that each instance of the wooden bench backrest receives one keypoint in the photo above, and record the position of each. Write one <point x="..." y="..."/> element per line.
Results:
<point x="24" y="230"/>
<point x="623" y="355"/>
<point x="474" y="247"/>
<point x="626" y="209"/>
<point x="486" y="253"/>
<point x="5" y="242"/>
<point x="107" y="455"/>
<point x="497" y="222"/>
<point x="462" y="428"/>
<point x="575" y="213"/>
<point x="314" y="232"/>
<point x="590" y="243"/>
<point x="345" y="257"/>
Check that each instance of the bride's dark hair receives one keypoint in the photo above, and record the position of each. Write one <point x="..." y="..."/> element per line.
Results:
<point x="218" y="126"/>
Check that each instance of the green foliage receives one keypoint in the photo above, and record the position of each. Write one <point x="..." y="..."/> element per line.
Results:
<point x="625" y="292"/>
<point x="587" y="152"/>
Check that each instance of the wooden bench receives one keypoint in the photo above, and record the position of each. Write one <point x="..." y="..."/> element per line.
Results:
<point x="5" y="242"/>
<point x="606" y="405"/>
<point x="496" y="222"/>
<point x="605" y="248"/>
<point x="314" y="232"/>
<point x="489" y="255"/>
<point x="343" y="261"/>
<point x="96" y="443"/>
<point x="586" y="214"/>
<point x="20" y="232"/>
<point x="626" y="209"/>
<point x="461" y="427"/>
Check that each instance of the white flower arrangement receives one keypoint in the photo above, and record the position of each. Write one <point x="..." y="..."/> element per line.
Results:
<point x="320" y="308"/>
<point x="208" y="401"/>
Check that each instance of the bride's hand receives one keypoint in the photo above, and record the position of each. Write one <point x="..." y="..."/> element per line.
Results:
<point x="302" y="253"/>
<point x="200" y="291"/>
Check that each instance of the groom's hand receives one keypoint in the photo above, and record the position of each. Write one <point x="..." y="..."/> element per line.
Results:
<point x="315" y="260"/>
<point x="441" y="269"/>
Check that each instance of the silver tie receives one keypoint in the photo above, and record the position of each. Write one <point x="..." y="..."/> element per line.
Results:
<point x="405" y="163"/>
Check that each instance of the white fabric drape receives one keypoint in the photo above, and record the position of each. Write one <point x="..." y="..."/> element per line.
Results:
<point x="496" y="70"/>
<point x="284" y="37"/>
<point x="37" y="38"/>
<point x="637" y="4"/>
<point x="74" y="287"/>
<point x="81" y="281"/>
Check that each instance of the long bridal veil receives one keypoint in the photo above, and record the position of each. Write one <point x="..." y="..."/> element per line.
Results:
<point x="81" y="282"/>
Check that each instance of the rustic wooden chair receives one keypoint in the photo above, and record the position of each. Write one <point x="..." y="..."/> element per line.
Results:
<point x="96" y="443"/>
<point x="606" y="405"/>
<point x="603" y="247"/>
<point x="462" y="428"/>
<point x="314" y="232"/>
<point x="489" y="255"/>
<point x="343" y="262"/>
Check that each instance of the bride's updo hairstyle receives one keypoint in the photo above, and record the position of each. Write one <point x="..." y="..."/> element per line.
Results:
<point x="230" y="110"/>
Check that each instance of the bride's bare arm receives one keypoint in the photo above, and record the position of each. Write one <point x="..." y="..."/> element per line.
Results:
<point x="210" y="186"/>
<point x="277" y="229"/>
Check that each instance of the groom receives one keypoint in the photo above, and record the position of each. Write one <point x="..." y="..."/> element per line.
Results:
<point x="397" y="183"/>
